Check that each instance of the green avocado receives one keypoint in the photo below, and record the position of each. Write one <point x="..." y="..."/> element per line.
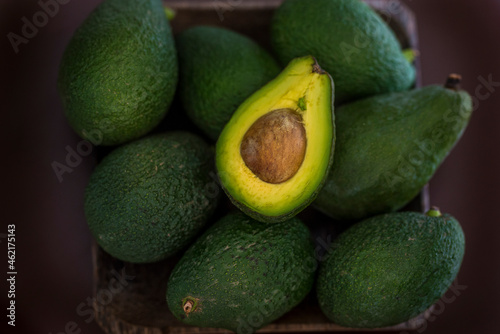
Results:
<point x="274" y="154"/>
<point x="219" y="69"/>
<point x="389" y="146"/>
<point x="118" y="74"/>
<point x="149" y="198"/>
<point x="389" y="268"/>
<point x="349" y="40"/>
<point x="242" y="274"/>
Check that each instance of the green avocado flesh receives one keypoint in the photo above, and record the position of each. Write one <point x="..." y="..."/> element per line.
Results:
<point x="388" y="147"/>
<point x="149" y="198"/>
<point x="219" y="69"/>
<point x="242" y="274"/>
<point x="274" y="154"/>
<point x="387" y="269"/>
<point x="349" y="40"/>
<point x="118" y="74"/>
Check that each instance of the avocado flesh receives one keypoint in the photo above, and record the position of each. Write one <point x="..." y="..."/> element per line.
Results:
<point x="242" y="274"/>
<point x="148" y="199"/>
<point x="388" y="269"/>
<point x="388" y="147"/>
<point x="349" y="40"/>
<point x="118" y="73"/>
<point x="219" y="69"/>
<point x="302" y="89"/>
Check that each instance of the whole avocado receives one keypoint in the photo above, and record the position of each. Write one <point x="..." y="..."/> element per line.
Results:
<point x="119" y="71"/>
<point x="349" y="40"/>
<point x="219" y="69"/>
<point x="149" y="198"/>
<point x="389" y="146"/>
<point x="387" y="269"/>
<point x="242" y="274"/>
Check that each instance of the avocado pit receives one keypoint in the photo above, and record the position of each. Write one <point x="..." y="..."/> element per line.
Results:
<point x="274" y="147"/>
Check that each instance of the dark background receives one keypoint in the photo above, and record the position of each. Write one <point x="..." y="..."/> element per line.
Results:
<point x="53" y="243"/>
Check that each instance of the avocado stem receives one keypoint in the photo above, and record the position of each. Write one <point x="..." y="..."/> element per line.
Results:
<point x="434" y="212"/>
<point x="410" y="55"/>
<point x="169" y="12"/>
<point x="453" y="81"/>
<point x="317" y="68"/>
<point x="188" y="306"/>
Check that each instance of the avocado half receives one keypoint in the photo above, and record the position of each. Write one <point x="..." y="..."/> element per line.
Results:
<point x="274" y="154"/>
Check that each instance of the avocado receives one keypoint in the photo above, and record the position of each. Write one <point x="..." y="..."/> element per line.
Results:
<point x="274" y="154"/>
<point x="149" y="198"/>
<point x="349" y="40"/>
<point x="119" y="72"/>
<point x="389" y="146"/>
<point x="219" y="69"/>
<point x="389" y="268"/>
<point x="242" y="274"/>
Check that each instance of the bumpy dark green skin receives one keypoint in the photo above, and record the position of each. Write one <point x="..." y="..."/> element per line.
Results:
<point x="349" y="40"/>
<point x="119" y="72"/>
<point x="389" y="268"/>
<point x="219" y="69"/>
<point x="148" y="199"/>
<point x="243" y="273"/>
<point x="388" y="147"/>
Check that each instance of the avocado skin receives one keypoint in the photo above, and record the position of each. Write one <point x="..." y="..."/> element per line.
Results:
<point x="389" y="268"/>
<point x="219" y="69"/>
<point x="349" y="40"/>
<point x="149" y="198"/>
<point x="244" y="273"/>
<point x="388" y="147"/>
<point x="119" y="72"/>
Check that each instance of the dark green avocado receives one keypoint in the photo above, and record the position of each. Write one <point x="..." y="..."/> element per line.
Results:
<point x="148" y="199"/>
<point x="118" y="73"/>
<point x="387" y="269"/>
<point x="242" y="274"/>
<point x="389" y="146"/>
<point x="349" y="40"/>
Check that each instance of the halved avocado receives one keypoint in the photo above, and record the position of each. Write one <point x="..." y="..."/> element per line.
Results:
<point x="274" y="154"/>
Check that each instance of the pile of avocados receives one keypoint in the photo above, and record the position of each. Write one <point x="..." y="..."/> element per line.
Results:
<point x="328" y="120"/>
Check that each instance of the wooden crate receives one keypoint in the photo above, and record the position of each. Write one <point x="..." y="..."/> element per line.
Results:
<point x="136" y="304"/>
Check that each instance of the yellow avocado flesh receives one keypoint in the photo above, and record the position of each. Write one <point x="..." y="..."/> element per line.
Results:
<point x="307" y="90"/>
